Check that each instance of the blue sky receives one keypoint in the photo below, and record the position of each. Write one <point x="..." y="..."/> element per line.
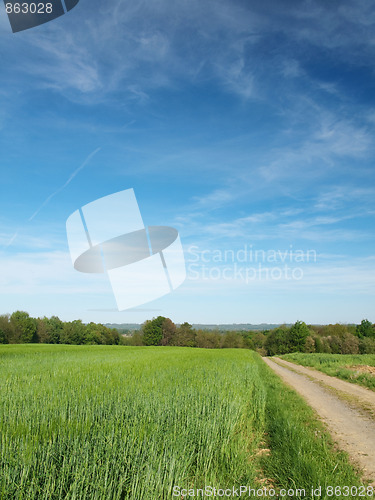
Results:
<point x="243" y="124"/>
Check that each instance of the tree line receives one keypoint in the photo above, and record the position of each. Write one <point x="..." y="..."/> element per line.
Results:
<point x="162" y="331"/>
<point x="21" y="328"/>
<point x="336" y="339"/>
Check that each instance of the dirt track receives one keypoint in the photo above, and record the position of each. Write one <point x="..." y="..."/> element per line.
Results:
<point x="353" y="430"/>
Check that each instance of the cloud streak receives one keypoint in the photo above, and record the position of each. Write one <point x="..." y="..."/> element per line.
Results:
<point x="72" y="176"/>
<point x="52" y="195"/>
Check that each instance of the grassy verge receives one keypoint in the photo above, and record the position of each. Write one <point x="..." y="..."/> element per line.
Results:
<point x="338" y="365"/>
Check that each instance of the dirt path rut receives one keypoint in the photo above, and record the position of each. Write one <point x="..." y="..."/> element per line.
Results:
<point x="350" y="428"/>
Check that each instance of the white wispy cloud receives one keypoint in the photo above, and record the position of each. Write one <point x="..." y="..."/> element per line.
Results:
<point x="284" y="224"/>
<point x="148" y="45"/>
<point x="45" y="272"/>
<point x="340" y="196"/>
<point x="328" y="276"/>
<point x="135" y="48"/>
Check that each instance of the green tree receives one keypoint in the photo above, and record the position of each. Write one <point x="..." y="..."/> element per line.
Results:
<point x="277" y="341"/>
<point x="168" y="329"/>
<point x="114" y="335"/>
<point x="73" y="333"/>
<point x="6" y="328"/>
<point x="310" y="344"/>
<point x="259" y="340"/>
<point x="43" y="331"/>
<point x="297" y="336"/>
<point x="55" y="329"/>
<point x="337" y="330"/>
<point x="24" y="327"/>
<point x="207" y="340"/>
<point x="152" y="331"/>
<point x="96" y="333"/>
<point x="335" y="344"/>
<point x="49" y="330"/>
<point x="318" y="344"/>
<point x="365" y="329"/>
<point x="367" y="346"/>
<point x="3" y="337"/>
<point x="248" y="341"/>
<point x="349" y="344"/>
<point x="185" y="336"/>
<point x="93" y="334"/>
<point x="231" y="340"/>
<point x="326" y="345"/>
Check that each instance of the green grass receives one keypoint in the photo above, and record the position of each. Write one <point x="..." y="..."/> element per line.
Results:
<point x="337" y="365"/>
<point x="111" y="422"/>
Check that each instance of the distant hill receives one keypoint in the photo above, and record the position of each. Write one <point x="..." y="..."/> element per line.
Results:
<point x="199" y="326"/>
<point x="124" y="326"/>
<point x="238" y="326"/>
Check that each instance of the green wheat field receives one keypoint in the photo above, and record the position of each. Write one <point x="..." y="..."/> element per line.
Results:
<point x="115" y="422"/>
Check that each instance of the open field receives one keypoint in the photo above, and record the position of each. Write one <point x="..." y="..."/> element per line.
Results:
<point x="112" y="422"/>
<point x="356" y="368"/>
